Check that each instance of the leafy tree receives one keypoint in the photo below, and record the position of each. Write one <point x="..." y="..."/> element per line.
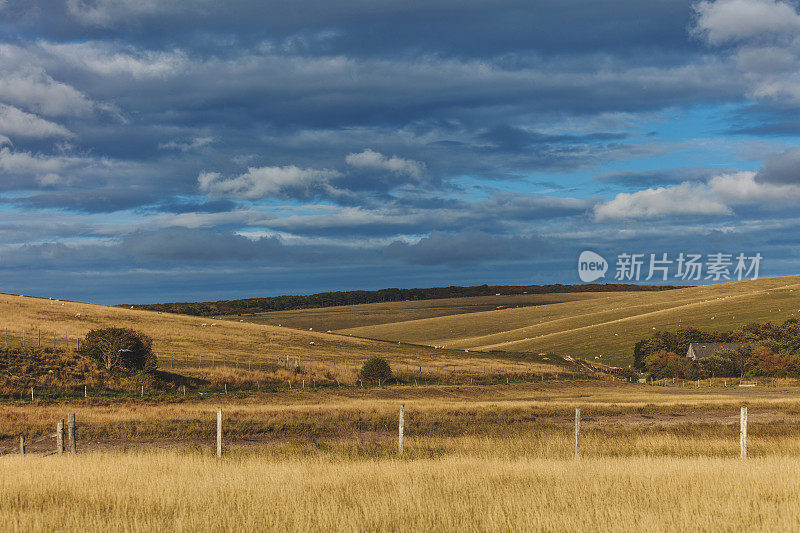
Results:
<point x="376" y="368"/>
<point x="639" y="353"/>
<point x="120" y="348"/>
<point x="718" y="367"/>
<point x="666" y="364"/>
<point x="740" y="358"/>
<point x="766" y="362"/>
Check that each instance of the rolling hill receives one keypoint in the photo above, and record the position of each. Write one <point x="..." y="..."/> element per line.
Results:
<point x="604" y="327"/>
<point x="35" y="321"/>
<point x="354" y="316"/>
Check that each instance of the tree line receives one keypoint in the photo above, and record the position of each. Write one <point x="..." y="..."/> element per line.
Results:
<point x="774" y="350"/>
<point x="337" y="298"/>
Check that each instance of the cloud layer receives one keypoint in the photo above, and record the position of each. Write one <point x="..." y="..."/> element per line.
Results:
<point x="169" y="147"/>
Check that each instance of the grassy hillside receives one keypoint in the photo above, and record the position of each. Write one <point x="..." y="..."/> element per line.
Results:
<point x="353" y="316"/>
<point x="199" y="339"/>
<point x="605" y="327"/>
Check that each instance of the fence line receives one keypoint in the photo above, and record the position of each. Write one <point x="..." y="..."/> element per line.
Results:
<point x="71" y="443"/>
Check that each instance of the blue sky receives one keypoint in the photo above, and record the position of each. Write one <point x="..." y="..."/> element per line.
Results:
<point x="159" y="151"/>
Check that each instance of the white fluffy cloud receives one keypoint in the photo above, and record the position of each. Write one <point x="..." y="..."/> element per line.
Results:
<point x="33" y="89"/>
<point x="110" y="61"/>
<point x="733" y="20"/>
<point x="262" y="182"/>
<point x="764" y="36"/>
<point x="371" y="160"/>
<point x="17" y="123"/>
<point x="716" y="197"/>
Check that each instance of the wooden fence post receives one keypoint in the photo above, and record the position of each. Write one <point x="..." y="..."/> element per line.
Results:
<point x="142" y="393"/>
<point x="577" y="431"/>
<point x="743" y="432"/>
<point x="60" y="436"/>
<point x="21" y="445"/>
<point x="219" y="431"/>
<point x="71" y="434"/>
<point x="31" y="393"/>
<point x="400" y="428"/>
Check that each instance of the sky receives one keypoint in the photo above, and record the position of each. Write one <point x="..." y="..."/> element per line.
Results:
<point x="200" y="150"/>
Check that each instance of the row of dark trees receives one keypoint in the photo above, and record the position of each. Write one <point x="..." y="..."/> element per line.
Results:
<point x="332" y="299"/>
<point x="775" y="351"/>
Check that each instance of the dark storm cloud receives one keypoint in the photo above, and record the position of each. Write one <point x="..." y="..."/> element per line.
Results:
<point x="783" y="168"/>
<point x="508" y="138"/>
<point x="500" y="213"/>
<point x="178" y="206"/>
<point x="98" y="200"/>
<point x="466" y="248"/>
<point x="361" y="26"/>
<point x="189" y="246"/>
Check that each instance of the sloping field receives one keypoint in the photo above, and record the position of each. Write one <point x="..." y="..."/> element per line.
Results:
<point x="353" y="316"/>
<point x="53" y="322"/>
<point x="605" y="327"/>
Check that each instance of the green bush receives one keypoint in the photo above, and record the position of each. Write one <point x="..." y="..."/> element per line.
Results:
<point x="120" y="348"/>
<point x="376" y="368"/>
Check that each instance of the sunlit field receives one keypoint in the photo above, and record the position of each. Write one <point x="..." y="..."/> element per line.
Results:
<point x="485" y="486"/>
<point x="488" y="437"/>
<point x="219" y="349"/>
<point x="475" y="458"/>
<point x="606" y="327"/>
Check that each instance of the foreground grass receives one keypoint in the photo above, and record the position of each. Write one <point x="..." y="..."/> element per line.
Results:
<point x="462" y="491"/>
<point x="476" y="459"/>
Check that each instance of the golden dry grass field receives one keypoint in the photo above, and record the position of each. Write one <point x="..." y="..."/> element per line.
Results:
<point x="475" y="459"/>
<point x="197" y="340"/>
<point x="352" y="316"/>
<point x="459" y="492"/>
<point x="355" y="417"/>
<point x="606" y="327"/>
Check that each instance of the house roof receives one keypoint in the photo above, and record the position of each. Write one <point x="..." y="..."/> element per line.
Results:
<point x="702" y="350"/>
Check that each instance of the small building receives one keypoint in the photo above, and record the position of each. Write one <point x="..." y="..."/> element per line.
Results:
<point x="702" y="350"/>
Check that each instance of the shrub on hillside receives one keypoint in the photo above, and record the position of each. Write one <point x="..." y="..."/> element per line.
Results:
<point x="120" y="348"/>
<point x="376" y="368"/>
<point x="666" y="364"/>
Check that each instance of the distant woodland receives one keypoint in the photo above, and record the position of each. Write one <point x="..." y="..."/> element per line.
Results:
<point x="330" y="299"/>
